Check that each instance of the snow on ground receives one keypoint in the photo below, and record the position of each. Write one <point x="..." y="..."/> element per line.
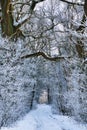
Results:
<point x="43" y="119"/>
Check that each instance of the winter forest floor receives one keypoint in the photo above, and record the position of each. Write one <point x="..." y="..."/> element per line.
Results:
<point x="43" y="119"/>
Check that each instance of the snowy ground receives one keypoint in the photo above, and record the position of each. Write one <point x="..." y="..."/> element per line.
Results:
<point x="43" y="119"/>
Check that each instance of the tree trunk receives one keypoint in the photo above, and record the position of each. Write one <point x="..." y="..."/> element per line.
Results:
<point x="85" y="7"/>
<point x="7" y="19"/>
<point x="80" y="44"/>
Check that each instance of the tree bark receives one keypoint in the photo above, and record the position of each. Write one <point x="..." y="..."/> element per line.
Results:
<point x="7" y="19"/>
<point x="85" y="7"/>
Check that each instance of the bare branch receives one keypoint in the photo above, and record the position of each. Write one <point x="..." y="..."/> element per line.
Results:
<point x="1" y="48"/>
<point x="44" y="56"/>
<point x="72" y="3"/>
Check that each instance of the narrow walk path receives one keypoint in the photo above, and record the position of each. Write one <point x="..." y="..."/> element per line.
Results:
<point x="43" y="119"/>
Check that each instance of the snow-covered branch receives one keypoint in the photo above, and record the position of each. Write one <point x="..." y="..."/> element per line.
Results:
<point x="72" y="3"/>
<point x="32" y="6"/>
<point x="44" y="56"/>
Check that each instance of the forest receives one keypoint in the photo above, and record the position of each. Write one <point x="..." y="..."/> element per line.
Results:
<point x="43" y="59"/>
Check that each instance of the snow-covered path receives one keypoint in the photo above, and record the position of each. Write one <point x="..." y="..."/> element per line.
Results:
<point x="43" y="119"/>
